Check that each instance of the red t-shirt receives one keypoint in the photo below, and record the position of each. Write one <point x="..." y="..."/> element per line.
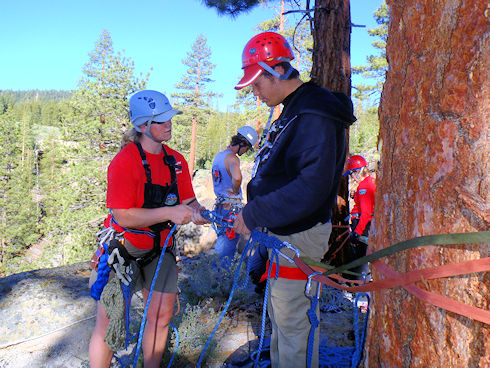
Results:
<point x="126" y="185"/>
<point x="364" y="199"/>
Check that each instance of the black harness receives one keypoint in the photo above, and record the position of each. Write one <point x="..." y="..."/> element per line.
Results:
<point x="156" y="196"/>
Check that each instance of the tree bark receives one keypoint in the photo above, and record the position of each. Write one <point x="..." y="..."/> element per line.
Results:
<point x="331" y="69"/>
<point x="331" y="51"/>
<point x="433" y="179"/>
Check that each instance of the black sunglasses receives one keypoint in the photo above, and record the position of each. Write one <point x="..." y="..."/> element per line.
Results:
<point x="160" y="122"/>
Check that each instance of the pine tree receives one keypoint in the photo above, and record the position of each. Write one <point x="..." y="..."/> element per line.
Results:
<point x="364" y="132"/>
<point x="193" y="96"/>
<point x="19" y="213"/>
<point x="75" y="157"/>
<point x="101" y="99"/>
<point x="377" y="65"/>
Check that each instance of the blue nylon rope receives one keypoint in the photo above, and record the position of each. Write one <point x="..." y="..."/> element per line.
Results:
<point x="103" y="271"/>
<point x="329" y="357"/>
<point x="176" y="345"/>
<point x="264" y="311"/>
<point x="155" y="276"/>
<point x="360" y="341"/>
<point x="235" y="286"/>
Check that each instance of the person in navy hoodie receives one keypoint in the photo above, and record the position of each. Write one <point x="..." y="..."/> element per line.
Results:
<point x="294" y="183"/>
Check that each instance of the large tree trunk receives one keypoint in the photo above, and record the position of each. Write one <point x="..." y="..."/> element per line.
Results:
<point x="331" y="51"/>
<point x="331" y="69"/>
<point x="433" y="179"/>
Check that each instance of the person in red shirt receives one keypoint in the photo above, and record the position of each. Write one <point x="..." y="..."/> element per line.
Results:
<point x="363" y="210"/>
<point x="149" y="189"/>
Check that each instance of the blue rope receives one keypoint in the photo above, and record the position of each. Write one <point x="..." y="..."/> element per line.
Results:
<point x="126" y="290"/>
<point x="129" y="230"/>
<point x="219" y="222"/>
<point x="176" y="345"/>
<point x="264" y="311"/>
<point x="329" y="357"/>
<point x="143" y="321"/>
<point x="275" y="245"/>
<point x="312" y="317"/>
<point x="357" y="355"/>
<point x="236" y="285"/>
<point x="103" y="271"/>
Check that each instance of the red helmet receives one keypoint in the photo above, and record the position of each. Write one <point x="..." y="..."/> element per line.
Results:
<point x="354" y="163"/>
<point x="260" y="53"/>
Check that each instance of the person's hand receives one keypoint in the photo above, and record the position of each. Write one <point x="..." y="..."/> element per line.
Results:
<point x="197" y="217"/>
<point x="240" y="226"/>
<point x="181" y="214"/>
<point x="231" y="193"/>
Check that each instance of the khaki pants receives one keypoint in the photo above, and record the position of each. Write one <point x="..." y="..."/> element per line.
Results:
<point x="288" y="305"/>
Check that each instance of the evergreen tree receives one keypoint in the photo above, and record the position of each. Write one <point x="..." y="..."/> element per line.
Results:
<point x="364" y="133"/>
<point x="101" y="99"/>
<point x="19" y="212"/>
<point x="377" y="64"/>
<point x="75" y="157"/>
<point x="193" y="96"/>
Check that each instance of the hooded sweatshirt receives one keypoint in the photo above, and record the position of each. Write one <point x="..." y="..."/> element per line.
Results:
<point x="296" y="182"/>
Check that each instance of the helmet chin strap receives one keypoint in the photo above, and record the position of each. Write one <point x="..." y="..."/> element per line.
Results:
<point x="284" y="76"/>
<point x="148" y="133"/>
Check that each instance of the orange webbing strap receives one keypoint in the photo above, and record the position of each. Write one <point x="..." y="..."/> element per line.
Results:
<point x="406" y="280"/>
<point x="472" y="266"/>
<point x="440" y="301"/>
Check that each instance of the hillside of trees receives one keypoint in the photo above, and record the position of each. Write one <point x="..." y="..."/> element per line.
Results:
<point x="55" y="146"/>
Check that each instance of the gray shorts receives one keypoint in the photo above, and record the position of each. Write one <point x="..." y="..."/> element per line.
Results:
<point x="143" y="277"/>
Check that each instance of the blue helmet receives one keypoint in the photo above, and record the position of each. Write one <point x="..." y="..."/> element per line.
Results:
<point x="147" y="106"/>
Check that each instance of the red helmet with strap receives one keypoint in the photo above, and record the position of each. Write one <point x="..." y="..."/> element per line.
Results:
<point x="260" y="53"/>
<point x="354" y="162"/>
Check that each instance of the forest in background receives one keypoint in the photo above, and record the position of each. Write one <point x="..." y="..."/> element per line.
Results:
<point x="55" y="146"/>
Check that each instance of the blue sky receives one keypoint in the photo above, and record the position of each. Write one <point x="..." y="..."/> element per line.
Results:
<point x="44" y="44"/>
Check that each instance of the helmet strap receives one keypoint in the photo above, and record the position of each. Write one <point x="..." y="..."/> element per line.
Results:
<point x="274" y="73"/>
<point x="148" y="133"/>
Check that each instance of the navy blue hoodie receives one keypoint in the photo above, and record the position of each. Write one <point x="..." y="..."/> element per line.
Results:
<point x="296" y="187"/>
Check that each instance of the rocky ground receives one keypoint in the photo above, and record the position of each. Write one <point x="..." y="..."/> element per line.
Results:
<point x="47" y="317"/>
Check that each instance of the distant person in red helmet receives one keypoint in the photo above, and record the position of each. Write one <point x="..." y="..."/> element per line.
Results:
<point x="363" y="210"/>
<point x="294" y="184"/>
